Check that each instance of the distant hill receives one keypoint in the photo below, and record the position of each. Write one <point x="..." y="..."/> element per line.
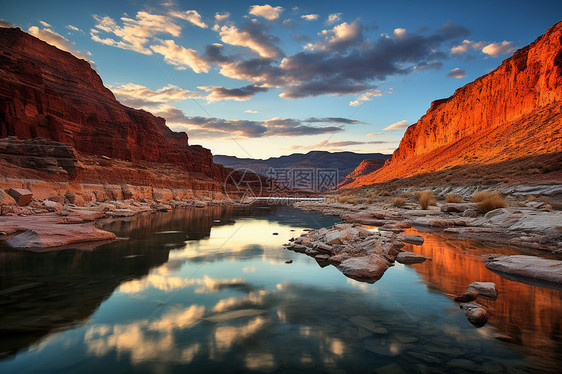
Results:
<point x="343" y="162"/>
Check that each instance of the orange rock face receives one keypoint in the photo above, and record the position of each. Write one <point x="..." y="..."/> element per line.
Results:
<point x="46" y="92"/>
<point x="514" y="111"/>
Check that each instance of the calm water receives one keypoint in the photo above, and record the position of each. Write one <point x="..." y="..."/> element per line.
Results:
<point x="208" y="290"/>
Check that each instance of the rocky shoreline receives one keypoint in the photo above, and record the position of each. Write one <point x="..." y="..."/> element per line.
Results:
<point x="29" y="223"/>
<point x="364" y="254"/>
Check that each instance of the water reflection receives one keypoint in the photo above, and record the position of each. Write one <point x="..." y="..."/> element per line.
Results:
<point x="227" y="302"/>
<point x="527" y="315"/>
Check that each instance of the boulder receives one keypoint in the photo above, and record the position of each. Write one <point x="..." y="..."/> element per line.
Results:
<point x="486" y="289"/>
<point x="52" y="206"/>
<point x="476" y="314"/>
<point x="56" y="235"/>
<point x="367" y="268"/>
<point x="20" y="195"/>
<point x="410" y="258"/>
<point x="411" y="239"/>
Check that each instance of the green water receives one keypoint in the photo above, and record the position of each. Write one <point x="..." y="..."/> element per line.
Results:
<point x="209" y="290"/>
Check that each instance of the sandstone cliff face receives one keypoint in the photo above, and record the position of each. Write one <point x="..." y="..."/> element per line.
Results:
<point x="46" y="92"/>
<point x="364" y="168"/>
<point x="514" y="111"/>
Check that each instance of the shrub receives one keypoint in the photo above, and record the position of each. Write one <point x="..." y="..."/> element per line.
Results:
<point x="385" y="193"/>
<point x="426" y="199"/>
<point x="492" y="201"/>
<point x="347" y="199"/>
<point x="453" y="198"/>
<point x="480" y="196"/>
<point x="399" y="201"/>
<point x="488" y="200"/>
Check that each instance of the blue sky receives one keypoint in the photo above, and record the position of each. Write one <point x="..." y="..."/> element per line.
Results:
<point x="262" y="79"/>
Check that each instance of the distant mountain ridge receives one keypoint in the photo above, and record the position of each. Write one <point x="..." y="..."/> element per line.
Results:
<point x="513" y="112"/>
<point x="344" y="162"/>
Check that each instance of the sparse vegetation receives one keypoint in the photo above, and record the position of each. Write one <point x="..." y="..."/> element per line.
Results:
<point x="426" y="198"/>
<point x="453" y="198"/>
<point x="385" y="193"/>
<point x="488" y="200"/>
<point x="399" y="202"/>
<point x="347" y="199"/>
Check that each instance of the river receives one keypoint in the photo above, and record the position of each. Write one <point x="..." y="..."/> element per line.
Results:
<point x="210" y="290"/>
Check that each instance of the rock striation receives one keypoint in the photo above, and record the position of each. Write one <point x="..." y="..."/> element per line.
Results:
<point x="49" y="93"/>
<point x="514" y="111"/>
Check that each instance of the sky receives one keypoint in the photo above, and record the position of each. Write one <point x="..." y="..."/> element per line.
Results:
<point x="264" y="79"/>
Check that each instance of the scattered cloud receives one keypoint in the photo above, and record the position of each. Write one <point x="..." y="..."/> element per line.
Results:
<point x="491" y="49"/>
<point x="333" y="18"/>
<point x="191" y="16"/>
<point x="218" y="93"/>
<point x="6" y="24"/>
<point x="73" y="28"/>
<point x="181" y="57"/>
<point x="219" y="17"/>
<point x="59" y="41"/>
<point x="266" y="11"/>
<point x="397" y="125"/>
<point x="496" y="49"/>
<point x="400" y="33"/>
<point x="45" y="24"/>
<point x="334" y="145"/>
<point x="466" y="45"/>
<point x="340" y="120"/>
<point x="375" y="133"/>
<point x="310" y="17"/>
<point x="367" y="96"/>
<point x="250" y="111"/>
<point x="134" y="34"/>
<point x="212" y="127"/>
<point x="457" y="73"/>
<point x="138" y="96"/>
<point x="339" y="37"/>
<point x="252" y="36"/>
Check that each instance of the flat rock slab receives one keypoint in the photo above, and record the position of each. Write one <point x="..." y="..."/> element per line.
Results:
<point x="411" y="239"/>
<point x="528" y="267"/>
<point x="410" y="258"/>
<point x="49" y="231"/>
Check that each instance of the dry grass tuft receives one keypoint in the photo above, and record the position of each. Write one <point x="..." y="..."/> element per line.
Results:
<point x="426" y="198"/>
<point x="347" y="199"/>
<point x="385" y="193"/>
<point x="399" y="201"/>
<point x="488" y="200"/>
<point x="453" y="198"/>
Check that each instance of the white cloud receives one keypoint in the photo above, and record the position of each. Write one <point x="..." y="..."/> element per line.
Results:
<point x="375" y="133"/>
<point x="219" y="17"/>
<point x="466" y="45"/>
<point x="266" y="11"/>
<point x="310" y="17"/>
<point x="73" y="28"/>
<point x="340" y="36"/>
<point x="59" y="41"/>
<point x="191" y="16"/>
<point x="367" y="96"/>
<point x="44" y="23"/>
<point x="333" y="18"/>
<point x="180" y="56"/>
<point x="457" y="73"/>
<point x="251" y="111"/>
<point x="258" y="42"/>
<point x="139" y="96"/>
<point x="400" y="32"/>
<point x="135" y="33"/>
<point x="397" y="125"/>
<point x="496" y="49"/>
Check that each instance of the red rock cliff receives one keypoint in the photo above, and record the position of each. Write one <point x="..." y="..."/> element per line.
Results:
<point x="49" y="93"/>
<point x="514" y="111"/>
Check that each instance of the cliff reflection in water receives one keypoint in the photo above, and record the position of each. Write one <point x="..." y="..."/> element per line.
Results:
<point x="530" y="316"/>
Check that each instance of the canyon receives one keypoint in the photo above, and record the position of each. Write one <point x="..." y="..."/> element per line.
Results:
<point x="63" y="130"/>
<point x="509" y="119"/>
